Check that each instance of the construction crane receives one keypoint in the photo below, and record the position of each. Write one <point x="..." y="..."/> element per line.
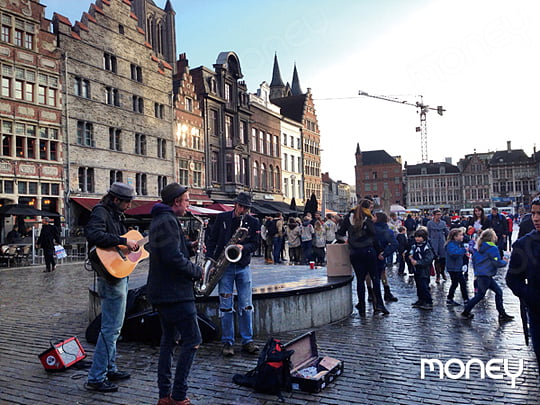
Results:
<point x="421" y="108"/>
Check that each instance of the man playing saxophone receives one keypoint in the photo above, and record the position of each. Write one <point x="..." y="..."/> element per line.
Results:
<point x="237" y="273"/>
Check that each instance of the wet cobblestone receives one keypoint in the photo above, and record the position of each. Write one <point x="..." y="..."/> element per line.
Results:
<point x="381" y="354"/>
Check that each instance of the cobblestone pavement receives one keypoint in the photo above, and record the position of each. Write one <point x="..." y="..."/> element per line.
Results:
<point x="382" y="354"/>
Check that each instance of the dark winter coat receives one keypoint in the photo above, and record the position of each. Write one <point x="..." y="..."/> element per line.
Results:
<point x="171" y="274"/>
<point x="105" y="226"/>
<point x="359" y="238"/>
<point x="48" y="237"/>
<point x="424" y="256"/>
<point x="499" y="224"/>
<point x="386" y="239"/>
<point x="222" y="231"/>
<point x="523" y="276"/>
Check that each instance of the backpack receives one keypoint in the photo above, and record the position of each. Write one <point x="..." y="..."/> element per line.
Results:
<point x="273" y="372"/>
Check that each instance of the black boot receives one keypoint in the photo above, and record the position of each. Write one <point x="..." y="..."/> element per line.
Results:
<point x="361" y="307"/>
<point x="388" y="295"/>
<point x="370" y="294"/>
<point x="504" y="317"/>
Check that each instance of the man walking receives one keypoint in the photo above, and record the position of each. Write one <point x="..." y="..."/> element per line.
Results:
<point x="48" y="237"/>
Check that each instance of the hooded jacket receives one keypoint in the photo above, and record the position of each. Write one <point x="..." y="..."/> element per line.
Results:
<point x="523" y="276"/>
<point x="486" y="260"/>
<point x="454" y="255"/>
<point x="171" y="274"/>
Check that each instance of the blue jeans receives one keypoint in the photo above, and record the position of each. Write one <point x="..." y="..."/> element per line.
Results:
<point x="113" y="310"/>
<point x="177" y="319"/>
<point x="484" y="283"/>
<point x="241" y="276"/>
<point x="364" y="262"/>
<point x="276" y="248"/>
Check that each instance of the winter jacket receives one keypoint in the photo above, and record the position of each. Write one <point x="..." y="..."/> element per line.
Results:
<point x="403" y="243"/>
<point x="319" y="237"/>
<point x="499" y="224"/>
<point x="48" y="236"/>
<point x="437" y="231"/>
<point x="171" y="274"/>
<point x="486" y="260"/>
<point x="359" y="238"/>
<point x="330" y="228"/>
<point x="293" y="235"/>
<point x="386" y="239"/>
<point x="424" y="256"/>
<point x="224" y="228"/>
<point x="306" y="231"/>
<point x="454" y="255"/>
<point x="105" y="226"/>
<point x="523" y="276"/>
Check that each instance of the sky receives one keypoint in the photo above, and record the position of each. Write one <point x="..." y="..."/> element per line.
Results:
<point x="476" y="58"/>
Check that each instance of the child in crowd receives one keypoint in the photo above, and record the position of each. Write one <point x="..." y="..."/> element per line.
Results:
<point x="402" y="247"/>
<point x="486" y="260"/>
<point x="421" y="257"/>
<point x="455" y="252"/>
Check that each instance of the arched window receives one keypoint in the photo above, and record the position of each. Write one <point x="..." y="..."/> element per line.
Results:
<point x="277" y="183"/>
<point x="264" y="177"/>
<point x="256" y="183"/>
<point x="271" y="177"/>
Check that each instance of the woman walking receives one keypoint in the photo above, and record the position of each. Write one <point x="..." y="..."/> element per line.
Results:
<point x="364" y="250"/>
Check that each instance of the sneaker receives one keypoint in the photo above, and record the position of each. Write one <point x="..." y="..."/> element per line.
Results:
<point x="250" y="348"/>
<point x="467" y="315"/>
<point x="452" y="303"/>
<point x="426" y="306"/>
<point x="227" y="350"/>
<point x="118" y="375"/>
<point x="504" y="317"/>
<point x="103" y="386"/>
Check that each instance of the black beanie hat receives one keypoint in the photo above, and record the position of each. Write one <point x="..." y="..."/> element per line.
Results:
<point x="172" y="191"/>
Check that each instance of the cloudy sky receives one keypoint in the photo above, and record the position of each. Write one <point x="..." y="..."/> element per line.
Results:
<point x="476" y="58"/>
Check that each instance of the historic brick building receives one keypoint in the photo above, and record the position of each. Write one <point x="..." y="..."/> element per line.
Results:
<point x="300" y="107"/>
<point x="433" y="185"/>
<point x="379" y="176"/>
<point x="475" y="179"/>
<point x="265" y="146"/>
<point x="118" y="102"/>
<point x="31" y="154"/>
<point x="224" y="102"/>
<point x="189" y="134"/>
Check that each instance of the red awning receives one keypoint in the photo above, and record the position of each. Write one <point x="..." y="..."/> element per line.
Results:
<point x="142" y="209"/>
<point x="89" y="203"/>
<point x="198" y="198"/>
<point x="220" y="207"/>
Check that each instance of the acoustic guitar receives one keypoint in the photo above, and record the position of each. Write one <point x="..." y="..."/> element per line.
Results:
<point x="120" y="261"/>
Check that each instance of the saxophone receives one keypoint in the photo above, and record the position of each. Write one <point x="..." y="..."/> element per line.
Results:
<point x="213" y="269"/>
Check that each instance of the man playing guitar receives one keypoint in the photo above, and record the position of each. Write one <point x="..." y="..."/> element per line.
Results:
<point x="104" y="228"/>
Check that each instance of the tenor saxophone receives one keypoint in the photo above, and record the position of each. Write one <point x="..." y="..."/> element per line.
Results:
<point x="213" y="269"/>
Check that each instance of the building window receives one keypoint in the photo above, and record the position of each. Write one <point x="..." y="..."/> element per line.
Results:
<point x="183" y="172"/>
<point x="261" y="142"/>
<point x="162" y="182"/>
<point x="6" y="33"/>
<point x="213" y="124"/>
<point x="6" y="87"/>
<point x="244" y="134"/>
<point x="114" y="176"/>
<point x="140" y="184"/>
<point x="268" y="145"/>
<point x="161" y="148"/>
<point x="227" y="95"/>
<point x="189" y="104"/>
<point x="86" y="179"/>
<point x="256" y="183"/>
<point x="229" y="168"/>
<point x="136" y="73"/>
<point x="115" y="139"/>
<point x="85" y="134"/>
<point x="81" y="87"/>
<point x="159" y="110"/>
<point x="112" y="96"/>
<point x="197" y="174"/>
<point x="228" y="131"/>
<point x="121" y="29"/>
<point x="286" y="161"/>
<point x="253" y="139"/>
<point x="214" y="166"/>
<point x="275" y="146"/>
<point x="196" y="138"/>
<point x="138" y="104"/>
<point x="264" y="177"/>
<point x="109" y="62"/>
<point x="140" y="144"/>
<point x="28" y="40"/>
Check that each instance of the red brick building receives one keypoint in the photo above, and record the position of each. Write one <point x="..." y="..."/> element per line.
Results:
<point x="379" y="176"/>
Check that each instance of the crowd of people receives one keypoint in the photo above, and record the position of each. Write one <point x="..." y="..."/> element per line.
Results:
<point x="432" y="246"/>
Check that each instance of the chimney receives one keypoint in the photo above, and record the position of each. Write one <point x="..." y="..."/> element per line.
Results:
<point x="182" y="63"/>
<point x="509" y="145"/>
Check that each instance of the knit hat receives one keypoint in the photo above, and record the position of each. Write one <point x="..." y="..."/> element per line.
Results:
<point x="122" y="191"/>
<point x="172" y="191"/>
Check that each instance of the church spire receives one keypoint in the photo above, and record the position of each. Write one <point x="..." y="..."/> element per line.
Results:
<point x="295" y="87"/>
<point x="276" y="75"/>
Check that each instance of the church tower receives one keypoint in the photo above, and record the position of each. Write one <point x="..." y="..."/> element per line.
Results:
<point x="277" y="88"/>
